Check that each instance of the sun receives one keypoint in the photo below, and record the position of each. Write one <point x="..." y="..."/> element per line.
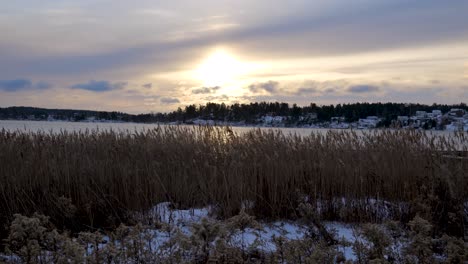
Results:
<point x="219" y="68"/>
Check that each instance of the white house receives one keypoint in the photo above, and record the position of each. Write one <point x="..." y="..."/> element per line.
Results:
<point x="273" y="119"/>
<point x="369" y="122"/>
<point x="456" y="112"/>
<point x="421" y="114"/>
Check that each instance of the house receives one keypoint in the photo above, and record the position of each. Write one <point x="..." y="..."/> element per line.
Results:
<point x="456" y="112"/>
<point x="268" y="119"/>
<point x="369" y="122"/>
<point x="421" y="114"/>
<point x="338" y="119"/>
<point x="434" y="114"/>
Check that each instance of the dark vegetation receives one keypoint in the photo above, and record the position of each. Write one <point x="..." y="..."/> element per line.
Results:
<point x="344" y="175"/>
<point x="247" y="113"/>
<point x="35" y="240"/>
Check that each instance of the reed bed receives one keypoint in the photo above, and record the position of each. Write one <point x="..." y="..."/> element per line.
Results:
<point x="106" y="175"/>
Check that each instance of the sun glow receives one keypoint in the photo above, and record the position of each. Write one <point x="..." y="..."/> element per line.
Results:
<point x="220" y="68"/>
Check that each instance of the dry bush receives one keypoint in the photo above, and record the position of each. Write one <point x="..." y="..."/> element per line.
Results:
<point x="35" y="240"/>
<point x="377" y="246"/>
<point x="420" y="248"/>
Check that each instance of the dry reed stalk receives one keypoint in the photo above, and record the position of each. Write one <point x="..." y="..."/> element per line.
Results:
<point x="107" y="174"/>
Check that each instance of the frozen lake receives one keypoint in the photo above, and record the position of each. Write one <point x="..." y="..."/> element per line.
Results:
<point x="57" y="126"/>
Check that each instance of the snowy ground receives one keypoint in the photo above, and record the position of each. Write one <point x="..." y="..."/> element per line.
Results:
<point x="262" y="238"/>
<point x="162" y="224"/>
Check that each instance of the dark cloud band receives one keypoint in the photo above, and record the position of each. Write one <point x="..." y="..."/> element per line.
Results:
<point x="169" y="100"/>
<point x="99" y="86"/>
<point x="22" y="84"/>
<point x="206" y="90"/>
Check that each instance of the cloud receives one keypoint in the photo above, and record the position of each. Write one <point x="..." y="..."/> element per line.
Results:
<point x="309" y="88"/>
<point x="169" y="100"/>
<point x="147" y="85"/>
<point x="309" y="32"/>
<point x="329" y="90"/>
<point x="364" y="88"/>
<point x="309" y="28"/>
<point x="99" y="86"/>
<point x="15" y="85"/>
<point x="353" y="28"/>
<point x="22" y="84"/>
<point x="312" y="87"/>
<point x="306" y="91"/>
<point x="206" y="90"/>
<point x="269" y="87"/>
<point x="220" y="98"/>
<point x="150" y="100"/>
<point x="43" y="85"/>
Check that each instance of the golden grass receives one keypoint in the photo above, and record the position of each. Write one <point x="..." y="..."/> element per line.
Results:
<point x="108" y="174"/>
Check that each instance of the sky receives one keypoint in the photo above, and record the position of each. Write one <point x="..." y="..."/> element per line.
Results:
<point x="154" y="56"/>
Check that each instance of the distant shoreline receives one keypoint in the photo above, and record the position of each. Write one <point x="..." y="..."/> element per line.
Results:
<point x="219" y="124"/>
<point x="263" y="114"/>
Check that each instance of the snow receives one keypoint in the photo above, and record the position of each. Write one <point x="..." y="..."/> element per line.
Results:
<point x="162" y="222"/>
<point x="346" y="232"/>
<point x="261" y="238"/>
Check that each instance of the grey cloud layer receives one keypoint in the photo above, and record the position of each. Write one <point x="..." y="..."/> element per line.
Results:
<point x="309" y="88"/>
<point x="169" y="100"/>
<point x="169" y="36"/>
<point x="22" y="84"/>
<point x="342" y="28"/>
<point x="268" y="87"/>
<point x="205" y="90"/>
<point x="99" y="86"/>
<point x="147" y="85"/>
<point x="364" y="88"/>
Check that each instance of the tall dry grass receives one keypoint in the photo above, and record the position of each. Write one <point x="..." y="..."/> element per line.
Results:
<point x="107" y="174"/>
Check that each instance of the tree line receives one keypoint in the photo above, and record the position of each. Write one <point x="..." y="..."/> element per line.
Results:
<point x="248" y="113"/>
